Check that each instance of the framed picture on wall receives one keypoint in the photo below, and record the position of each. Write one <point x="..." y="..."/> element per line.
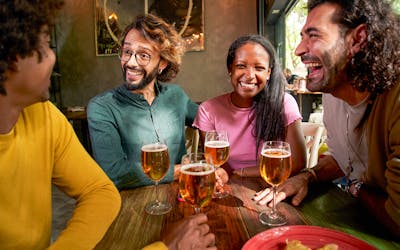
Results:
<point x="112" y="16"/>
<point x="186" y="15"/>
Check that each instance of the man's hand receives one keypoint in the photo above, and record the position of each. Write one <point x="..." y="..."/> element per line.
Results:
<point x="189" y="233"/>
<point x="296" y="186"/>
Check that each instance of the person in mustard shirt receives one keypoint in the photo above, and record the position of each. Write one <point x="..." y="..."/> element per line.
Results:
<point x="38" y="146"/>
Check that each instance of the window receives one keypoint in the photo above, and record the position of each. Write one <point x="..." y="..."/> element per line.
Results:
<point x="294" y="22"/>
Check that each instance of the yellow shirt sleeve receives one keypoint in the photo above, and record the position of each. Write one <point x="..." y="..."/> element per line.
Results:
<point x="79" y="176"/>
<point x="159" y="245"/>
<point x="42" y="149"/>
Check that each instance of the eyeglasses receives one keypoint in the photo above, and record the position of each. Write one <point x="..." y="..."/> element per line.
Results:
<point x="142" y="58"/>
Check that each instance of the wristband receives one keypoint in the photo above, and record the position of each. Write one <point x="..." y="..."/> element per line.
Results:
<point x="311" y="171"/>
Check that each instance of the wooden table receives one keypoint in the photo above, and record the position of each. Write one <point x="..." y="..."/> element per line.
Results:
<point x="234" y="219"/>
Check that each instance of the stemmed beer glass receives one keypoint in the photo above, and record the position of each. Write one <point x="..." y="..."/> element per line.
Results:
<point x="275" y="167"/>
<point x="196" y="180"/>
<point x="216" y="146"/>
<point x="155" y="164"/>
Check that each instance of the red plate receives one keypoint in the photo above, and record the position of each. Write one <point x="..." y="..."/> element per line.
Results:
<point x="311" y="236"/>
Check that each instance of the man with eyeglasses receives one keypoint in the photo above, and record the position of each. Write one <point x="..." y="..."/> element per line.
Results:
<point x="142" y="108"/>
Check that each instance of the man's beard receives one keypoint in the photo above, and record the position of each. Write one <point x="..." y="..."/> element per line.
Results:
<point x="145" y="80"/>
<point x="334" y="68"/>
<point x="337" y="68"/>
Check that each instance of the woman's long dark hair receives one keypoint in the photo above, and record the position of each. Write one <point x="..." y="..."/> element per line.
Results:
<point x="269" y="112"/>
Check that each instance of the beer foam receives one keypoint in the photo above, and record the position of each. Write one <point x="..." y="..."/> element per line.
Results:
<point x="276" y="153"/>
<point x="209" y="169"/>
<point x="155" y="147"/>
<point x="217" y="144"/>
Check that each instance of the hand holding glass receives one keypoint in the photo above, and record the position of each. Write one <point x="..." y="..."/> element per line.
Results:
<point x="216" y="146"/>
<point x="196" y="180"/>
<point x="275" y="167"/>
<point x="155" y="164"/>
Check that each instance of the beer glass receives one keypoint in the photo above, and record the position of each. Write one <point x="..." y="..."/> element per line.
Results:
<point x="196" y="180"/>
<point x="275" y="166"/>
<point x="155" y="164"/>
<point x="216" y="146"/>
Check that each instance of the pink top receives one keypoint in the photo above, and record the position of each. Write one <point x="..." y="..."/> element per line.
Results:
<point x="220" y="114"/>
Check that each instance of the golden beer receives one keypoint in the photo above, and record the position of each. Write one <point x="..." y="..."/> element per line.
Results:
<point x="155" y="160"/>
<point x="196" y="184"/>
<point x="275" y="165"/>
<point x="218" y="151"/>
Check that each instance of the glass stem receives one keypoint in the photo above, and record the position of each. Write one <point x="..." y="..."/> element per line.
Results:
<point x="273" y="200"/>
<point x="157" y="192"/>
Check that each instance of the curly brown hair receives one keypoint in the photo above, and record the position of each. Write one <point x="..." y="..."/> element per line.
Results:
<point x="21" y="22"/>
<point x="375" y="68"/>
<point x="170" y="43"/>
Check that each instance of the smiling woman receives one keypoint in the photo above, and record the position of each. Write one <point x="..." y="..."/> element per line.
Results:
<point x="257" y="110"/>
